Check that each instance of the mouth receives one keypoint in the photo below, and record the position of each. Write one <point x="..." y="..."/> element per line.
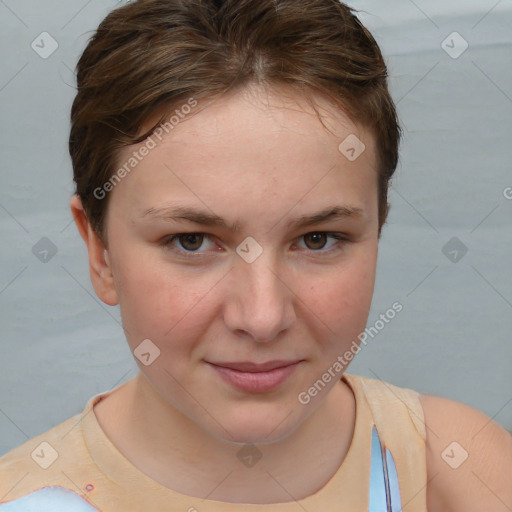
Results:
<point x="251" y="367"/>
<point x="255" y="377"/>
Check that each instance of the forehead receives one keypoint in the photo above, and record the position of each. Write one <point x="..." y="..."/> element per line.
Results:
<point x="255" y="144"/>
<point x="263" y="111"/>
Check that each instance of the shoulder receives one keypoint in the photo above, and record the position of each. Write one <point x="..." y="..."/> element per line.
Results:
<point x="469" y="458"/>
<point x="39" y="462"/>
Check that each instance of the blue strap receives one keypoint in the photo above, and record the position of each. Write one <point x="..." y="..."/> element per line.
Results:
<point x="384" y="488"/>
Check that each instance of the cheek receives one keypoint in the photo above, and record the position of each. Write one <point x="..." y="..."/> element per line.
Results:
<point x="343" y="298"/>
<point x="154" y="299"/>
<point x="170" y="305"/>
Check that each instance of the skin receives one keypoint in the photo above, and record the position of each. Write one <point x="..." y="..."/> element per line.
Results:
<point x="259" y="158"/>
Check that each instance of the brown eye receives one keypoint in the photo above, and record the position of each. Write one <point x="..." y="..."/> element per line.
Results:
<point x="318" y="240"/>
<point x="188" y="244"/>
<point x="191" y="241"/>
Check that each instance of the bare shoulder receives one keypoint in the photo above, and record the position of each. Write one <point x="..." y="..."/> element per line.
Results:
<point x="469" y="458"/>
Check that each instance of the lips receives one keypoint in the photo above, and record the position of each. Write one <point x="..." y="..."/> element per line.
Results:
<point x="251" y="367"/>
<point x="251" y="377"/>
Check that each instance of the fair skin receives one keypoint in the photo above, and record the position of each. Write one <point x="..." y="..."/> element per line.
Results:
<point x="259" y="159"/>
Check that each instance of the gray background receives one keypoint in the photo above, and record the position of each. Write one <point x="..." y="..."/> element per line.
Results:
<point x="60" y="345"/>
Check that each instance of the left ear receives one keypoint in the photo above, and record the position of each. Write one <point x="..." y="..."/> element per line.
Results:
<point x="100" y="268"/>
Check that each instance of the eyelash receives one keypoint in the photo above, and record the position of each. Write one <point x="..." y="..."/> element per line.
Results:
<point x="166" y="242"/>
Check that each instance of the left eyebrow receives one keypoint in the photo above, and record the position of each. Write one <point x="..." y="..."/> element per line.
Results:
<point x="176" y="213"/>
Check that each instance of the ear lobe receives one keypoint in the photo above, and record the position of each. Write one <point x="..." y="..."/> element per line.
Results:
<point x="100" y="268"/>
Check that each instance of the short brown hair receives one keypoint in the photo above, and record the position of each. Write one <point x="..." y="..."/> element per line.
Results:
<point x="149" y="56"/>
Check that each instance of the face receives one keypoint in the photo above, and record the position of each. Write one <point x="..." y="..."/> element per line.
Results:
<point x="253" y="285"/>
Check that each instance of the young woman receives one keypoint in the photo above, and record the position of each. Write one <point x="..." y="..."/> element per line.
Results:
<point x="232" y="162"/>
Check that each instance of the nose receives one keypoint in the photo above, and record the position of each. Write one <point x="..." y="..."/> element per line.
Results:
<point x="260" y="301"/>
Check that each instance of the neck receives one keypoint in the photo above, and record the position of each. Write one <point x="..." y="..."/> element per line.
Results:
<point x="175" y="452"/>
